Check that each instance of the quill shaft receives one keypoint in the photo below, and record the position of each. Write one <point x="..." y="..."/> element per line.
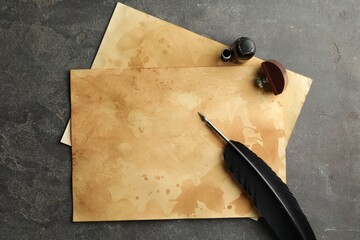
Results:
<point x="214" y="128"/>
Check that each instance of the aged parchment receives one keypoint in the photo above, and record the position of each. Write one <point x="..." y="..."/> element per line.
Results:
<point x="135" y="39"/>
<point x="140" y="150"/>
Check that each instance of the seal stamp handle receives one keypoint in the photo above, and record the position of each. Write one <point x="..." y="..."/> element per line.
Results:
<point x="275" y="76"/>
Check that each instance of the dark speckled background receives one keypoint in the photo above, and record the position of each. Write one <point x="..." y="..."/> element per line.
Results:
<point x="40" y="40"/>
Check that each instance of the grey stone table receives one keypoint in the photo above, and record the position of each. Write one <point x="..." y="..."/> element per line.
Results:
<point x="40" y="40"/>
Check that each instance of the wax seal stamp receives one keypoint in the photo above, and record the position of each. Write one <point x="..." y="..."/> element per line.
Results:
<point x="274" y="75"/>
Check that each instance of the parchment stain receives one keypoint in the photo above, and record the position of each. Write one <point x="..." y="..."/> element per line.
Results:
<point x="187" y="202"/>
<point x="146" y="59"/>
<point x="237" y="132"/>
<point x="136" y="61"/>
<point x="98" y="198"/>
<point x="153" y="208"/>
<point x="268" y="149"/>
<point x="145" y="177"/>
<point x="243" y="204"/>
<point x="115" y="62"/>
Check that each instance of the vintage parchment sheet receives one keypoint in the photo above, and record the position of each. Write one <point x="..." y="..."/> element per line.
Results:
<point x="140" y="150"/>
<point x="135" y="39"/>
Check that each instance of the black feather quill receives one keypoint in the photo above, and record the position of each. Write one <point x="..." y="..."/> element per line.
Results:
<point x="269" y="193"/>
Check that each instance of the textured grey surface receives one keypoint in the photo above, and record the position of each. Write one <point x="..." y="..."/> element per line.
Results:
<point x="40" y="40"/>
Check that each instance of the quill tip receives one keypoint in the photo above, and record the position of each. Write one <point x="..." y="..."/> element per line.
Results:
<point x="211" y="126"/>
<point x="202" y="117"/>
